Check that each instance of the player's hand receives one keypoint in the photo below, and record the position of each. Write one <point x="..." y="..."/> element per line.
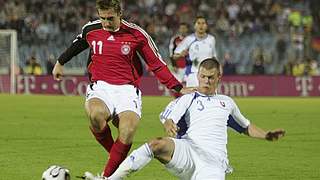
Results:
<point x="170" y="128"/>
<point x="57" y="71"/>
<point x="187" y="90"/>
<point x="184" y="53"/>
<point x="180" y="55"/>
<point x="275" y="134"/>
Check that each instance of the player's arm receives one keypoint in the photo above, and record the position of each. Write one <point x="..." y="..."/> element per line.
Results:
<point x="182" y="49"/>
<point x="173" y="113"/>
<point x="77" y="46"/>
<point x="214" y="47"/>
<point x="171" y="46"/>
<point x="171" y="50"/>
<point x="244" y="126"/>
<point x="256" y="132"/>
<point x="176" y="56"/>
<point x="170" y="128"/>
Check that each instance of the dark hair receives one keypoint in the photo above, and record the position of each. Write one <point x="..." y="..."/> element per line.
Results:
<point x="109" y="4"/>
<point x="200" y="17"/>
<point x="211" y="63"/>
<point x="183" y="24"/>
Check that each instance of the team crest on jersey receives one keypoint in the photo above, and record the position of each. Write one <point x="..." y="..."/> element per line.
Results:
<point x="197" y="47"/>
<point x="125" y="49"/>
<point x="222" y="104"/>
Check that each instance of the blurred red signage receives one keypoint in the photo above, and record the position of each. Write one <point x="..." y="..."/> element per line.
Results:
<point x="230" y="85"/>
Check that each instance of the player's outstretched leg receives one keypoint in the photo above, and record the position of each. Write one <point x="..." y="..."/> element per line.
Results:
<point x="98" y="114"/>
<point x="118" y="153"/>
<point x="159" y="148"/>
<point x="128" y="123"/>
<point x="134" y="162"/>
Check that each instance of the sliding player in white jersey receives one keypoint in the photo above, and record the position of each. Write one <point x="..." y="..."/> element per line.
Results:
<point x="195" y="48"/>
<point x="199" y="122"/>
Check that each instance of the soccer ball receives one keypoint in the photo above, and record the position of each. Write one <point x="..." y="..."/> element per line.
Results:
<point x="55" y="172"/>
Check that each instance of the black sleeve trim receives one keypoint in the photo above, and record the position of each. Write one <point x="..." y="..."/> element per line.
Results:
<point x="232" y="123"/>
<point x="75" y="48"/>
<point x="178" y="87"/>
<point x="80" y="43"/>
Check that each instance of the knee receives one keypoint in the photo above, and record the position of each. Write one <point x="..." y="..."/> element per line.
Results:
<point x="126" y="134"/>
<point x="97" y="117"/>
<point x="158" y="146"/>
<point x="128" y="124"/>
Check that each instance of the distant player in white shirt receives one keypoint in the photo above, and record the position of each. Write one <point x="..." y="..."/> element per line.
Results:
<point x="195" y="48"/>
<point x="199" y="122"/>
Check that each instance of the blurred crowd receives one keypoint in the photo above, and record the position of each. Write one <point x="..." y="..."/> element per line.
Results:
<point x="288" y="27"/>
<point x="39" y="20"/>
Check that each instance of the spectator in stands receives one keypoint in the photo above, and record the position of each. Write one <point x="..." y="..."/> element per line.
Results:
<point x="229" y="68"/>
<point x="233" y="10"/>
<point x="222" y="24"/>
<point x="288" y="68"/>
<point x="258" y="66"/>
<point x="260" y="57"/>
<point x="281" y="47"/>
<point x="50" y="64"/>
<point x="33" y="67"/>
<point x="311" y="67"/>
<point x="295" y="20"/>
<point x="299" y="68"/>
<point x="297" y="44"/>
<point x="307" y="22"/>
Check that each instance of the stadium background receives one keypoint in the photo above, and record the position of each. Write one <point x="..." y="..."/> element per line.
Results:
<point x="281" y="33"/>
<point x="273" y="37"/>
<point x="37" y="131"/>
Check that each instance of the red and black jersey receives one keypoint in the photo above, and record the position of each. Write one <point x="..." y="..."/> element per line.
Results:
<point x="174" y="41"/>
<point x="114" y="56"/>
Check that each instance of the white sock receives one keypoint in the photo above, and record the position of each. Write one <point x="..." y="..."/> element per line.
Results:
<point x="134" y="162"/>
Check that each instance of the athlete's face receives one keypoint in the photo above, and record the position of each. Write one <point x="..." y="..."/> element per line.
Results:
<point x="110" y="19"/>
<point x="183" y="30"/>
<point x="201" y="26"/>
<point x="208" y="80"/>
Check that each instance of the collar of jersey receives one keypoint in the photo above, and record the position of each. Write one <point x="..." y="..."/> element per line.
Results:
<point x="113" y="31"/>
<point x="204" y="95"/>
<point x="199" y="39"/>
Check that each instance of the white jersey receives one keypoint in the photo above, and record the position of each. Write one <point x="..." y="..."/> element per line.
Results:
<point x="204" y="119"/>
<point x="199" y="49"/>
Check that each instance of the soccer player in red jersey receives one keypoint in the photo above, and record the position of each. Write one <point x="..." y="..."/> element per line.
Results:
<point x="115" y="69"/>
<point x="180" y="63"/>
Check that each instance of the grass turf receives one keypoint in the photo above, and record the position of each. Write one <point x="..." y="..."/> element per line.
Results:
<point x="38" y="131"/>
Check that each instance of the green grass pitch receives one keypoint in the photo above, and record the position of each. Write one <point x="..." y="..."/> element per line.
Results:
<point x="38" y="131"/>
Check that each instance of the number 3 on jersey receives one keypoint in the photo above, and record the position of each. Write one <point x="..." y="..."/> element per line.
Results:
<point x="97" y="45"/>
<point x="201" y="106"/>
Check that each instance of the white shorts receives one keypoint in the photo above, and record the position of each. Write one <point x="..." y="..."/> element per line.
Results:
<point x="188" y="164"/>
<point x="118" y="98"/>
<point x="192" y="80"/>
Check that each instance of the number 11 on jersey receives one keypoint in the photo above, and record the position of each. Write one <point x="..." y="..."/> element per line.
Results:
<point x="96" y="45"/>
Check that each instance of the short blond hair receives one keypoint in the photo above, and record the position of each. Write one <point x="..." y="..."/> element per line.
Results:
<point x="109" y="4"/>
<point x="211" y="63"/>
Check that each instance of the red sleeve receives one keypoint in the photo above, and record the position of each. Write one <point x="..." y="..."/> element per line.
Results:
<point x="153" y="59"/>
